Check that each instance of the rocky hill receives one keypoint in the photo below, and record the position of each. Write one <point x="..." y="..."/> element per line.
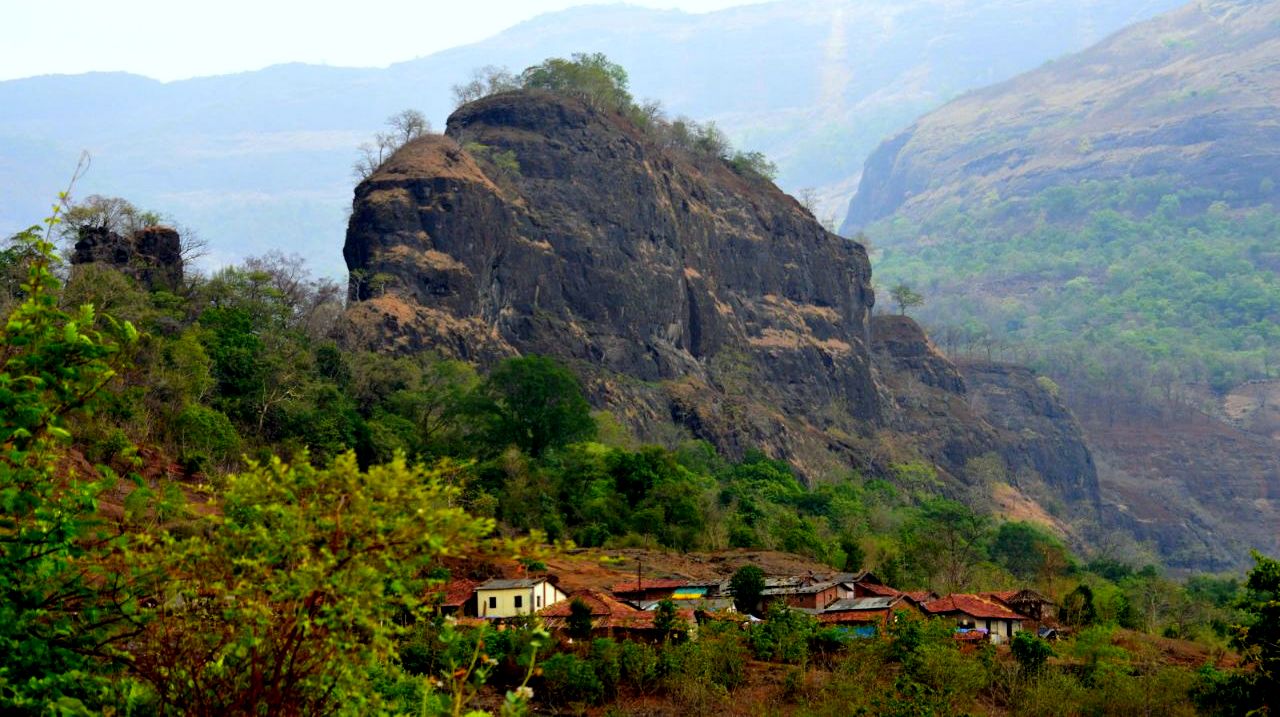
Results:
<point x="1193" y="94"/>
<point x="1113" y="214"/>
<point x="691" y="299"/>
<point x="266" y="155"/>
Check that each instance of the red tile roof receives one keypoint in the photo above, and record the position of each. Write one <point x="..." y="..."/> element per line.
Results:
<point x="922" y="596"/>
<point x="641" y="620"/>
<point x="880" y="590"/>
<point x="971" y="605"/>
<point x="600" y="604"/>
<point x="860" y="617"/>
<point x="455" y="592"/>
<point x="654" y="584"/>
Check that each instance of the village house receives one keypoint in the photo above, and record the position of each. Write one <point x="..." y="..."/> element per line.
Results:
<point x="868" y="611"/>
<point x="872" y="587"/>
<point x="522" y="596"/>
<point x="975" y="613"/>
<point x="810" y="597"/>
<point x="1028" y="603"/>
<point x="457" y="598"/>
<point x="613" y="618"/>
<point x="648" y="589"/>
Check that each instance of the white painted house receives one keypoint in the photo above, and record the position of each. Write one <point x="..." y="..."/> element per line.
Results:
<point x="509" y="598"/>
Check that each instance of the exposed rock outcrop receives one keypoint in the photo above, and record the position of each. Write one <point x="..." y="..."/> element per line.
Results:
<point x="679" y="290"/>
<point x="614" y="254"/>
<point x="981" y="421"/>
<point x="152" y="255"/>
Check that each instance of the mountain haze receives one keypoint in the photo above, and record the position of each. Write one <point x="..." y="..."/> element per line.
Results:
<point x="1112" y="216"/>
<point x="261" y="160"/>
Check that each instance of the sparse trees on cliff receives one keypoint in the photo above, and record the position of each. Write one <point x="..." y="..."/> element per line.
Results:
<point x="405" y="125"/>
<point x="905" y="297"/>
<point x="485" y="81"/>
<point x="592" y="77"/>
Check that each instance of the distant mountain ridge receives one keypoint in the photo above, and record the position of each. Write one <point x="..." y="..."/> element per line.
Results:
<point x="1114" y="212"/>
<point x="1192" y="94"/>
<point x="261" y="160"/>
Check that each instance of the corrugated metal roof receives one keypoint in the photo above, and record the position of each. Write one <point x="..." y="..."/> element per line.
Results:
<point x="509" y="584"/>
<point x="798" y="590"/>
<point x="866" y="603"/>
<point x="650" y="584"/>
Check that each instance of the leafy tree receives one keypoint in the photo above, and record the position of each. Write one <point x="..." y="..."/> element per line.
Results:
<point x="667" y="621"/>
<point x="1077" y="607"/>
<point x="579" y="621"/>
<point x="1030" y="651"/>
<point x="747" y="584"/>
<point x="535" y="404"/>
<point x="754" y="165"/>
<point x="111" y="214"/>
<point x="1259" y="639"/>
<point x="905" y="297"/>
<point x="592" y="77"/>
<point x="1021" y="548"/>
<point x="300" y="587"/>
<point x="67" y="596"/>
<point x="946" y="541"/>
<point x="784" y="635"/>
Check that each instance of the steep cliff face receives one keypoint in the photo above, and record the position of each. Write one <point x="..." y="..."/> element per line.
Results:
<point x="681" y="292"/>
<point x="540" y="225"/>
<point x="994" y="428"/>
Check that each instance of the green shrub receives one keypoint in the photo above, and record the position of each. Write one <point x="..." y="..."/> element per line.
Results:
<point x="605" y="659"/>
<point x="783" y="636"/>
<point x="638" y="665"/>
<point x="110" y="447"/>
<point x="206" y="431"/>
<point x="568" y="678"/>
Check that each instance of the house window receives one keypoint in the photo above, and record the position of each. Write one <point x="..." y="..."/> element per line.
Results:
<point x="493" y="603"/>
<point x="519" y="602"/>
<point x="538" y="600"/>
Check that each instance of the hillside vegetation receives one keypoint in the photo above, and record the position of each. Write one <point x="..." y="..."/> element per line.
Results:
<point x="234" y="587"/>
<point x="159" y="556"/>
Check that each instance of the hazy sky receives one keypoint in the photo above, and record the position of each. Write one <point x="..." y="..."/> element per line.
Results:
<point x="176" y="39"/>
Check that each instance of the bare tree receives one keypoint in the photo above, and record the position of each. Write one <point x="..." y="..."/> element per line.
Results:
<point x="808" y="198"/>
<point x="406" y="126"/>
<point x="485" y="81"/>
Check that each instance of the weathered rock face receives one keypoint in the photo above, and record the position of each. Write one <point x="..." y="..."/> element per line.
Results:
<point x="152" y="255"/>
<point x="615" y="255"/>
<point x="982" y="421"/>
<point x="681" y="293"/>
<point x="1035" y="429"/>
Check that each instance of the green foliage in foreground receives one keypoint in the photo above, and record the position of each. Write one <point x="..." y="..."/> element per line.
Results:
<point x="63" y="610"/>
<point x="303" y="587"/>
